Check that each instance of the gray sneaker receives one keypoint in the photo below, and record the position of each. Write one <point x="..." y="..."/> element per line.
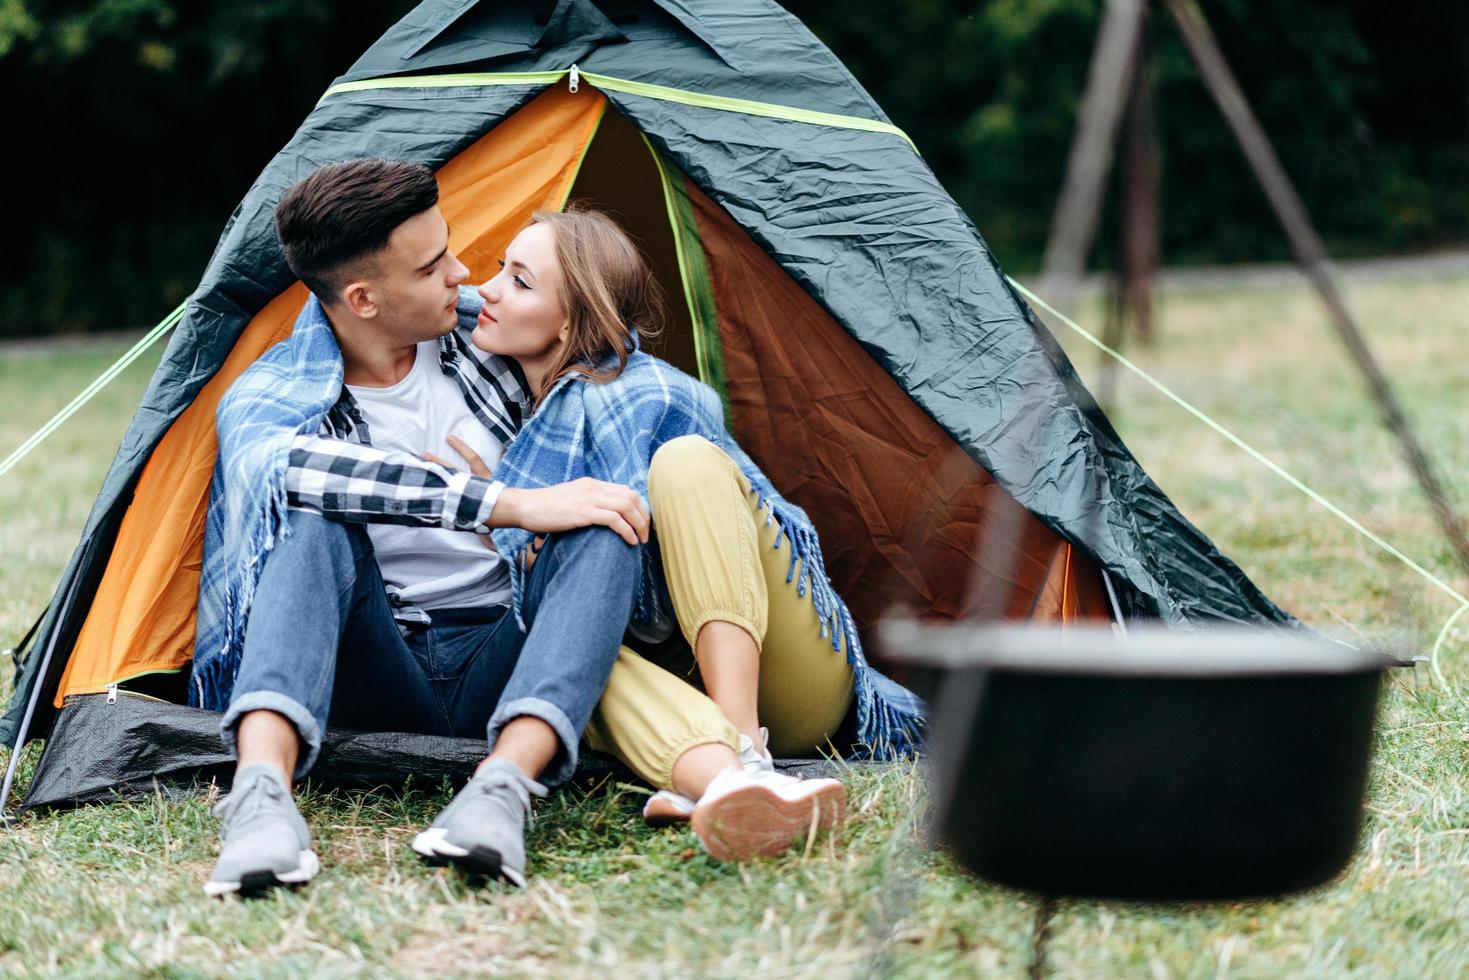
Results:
<point x="264" y="840"/>
<point x="482" y="830"/>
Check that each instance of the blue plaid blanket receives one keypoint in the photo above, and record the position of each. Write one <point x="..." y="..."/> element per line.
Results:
<point x="289" y="390"/>
<point x="610" y="432"/>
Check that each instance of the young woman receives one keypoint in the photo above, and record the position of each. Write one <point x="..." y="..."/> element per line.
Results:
<point x="773" y="648"/>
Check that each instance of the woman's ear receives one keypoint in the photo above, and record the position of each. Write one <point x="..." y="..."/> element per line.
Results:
<point x="565" y="330"/>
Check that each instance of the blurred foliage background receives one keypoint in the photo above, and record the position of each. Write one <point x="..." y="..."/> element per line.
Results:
<point x="133" y="127"/>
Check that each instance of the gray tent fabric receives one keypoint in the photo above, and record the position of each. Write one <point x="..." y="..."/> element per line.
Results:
<point x="848" y="209"/>
<point x="155" y="747"/>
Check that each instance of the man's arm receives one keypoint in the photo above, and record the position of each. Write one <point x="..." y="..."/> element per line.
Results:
<point x="344" y="481"/>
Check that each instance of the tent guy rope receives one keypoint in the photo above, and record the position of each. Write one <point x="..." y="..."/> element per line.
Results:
<point x="87" y="393"/>
<point x="1269" y="464"/>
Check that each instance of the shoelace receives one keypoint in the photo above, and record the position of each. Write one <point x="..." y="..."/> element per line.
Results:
<point x="773" y="777"/>
<point x="257" y="797"/>
<point x="485" y="783"/>
<point x="752" y="757"/>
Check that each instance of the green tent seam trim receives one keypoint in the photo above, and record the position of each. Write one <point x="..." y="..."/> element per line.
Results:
<point x="693" y="273"/>
<point x="647" y="90"/>
<point x="132" y="677"/>
<point x="102" y="380"/>
<point x="461" y="80"/>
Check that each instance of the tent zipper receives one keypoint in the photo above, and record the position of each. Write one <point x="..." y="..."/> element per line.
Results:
<point x="573" y="79"/>
<point x="114" y="692"/>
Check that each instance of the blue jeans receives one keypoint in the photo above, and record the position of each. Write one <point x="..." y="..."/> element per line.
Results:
<point x="322" y="644"/>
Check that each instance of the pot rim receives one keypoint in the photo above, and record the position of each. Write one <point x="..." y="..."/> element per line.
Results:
<point x="1140" y="651"/>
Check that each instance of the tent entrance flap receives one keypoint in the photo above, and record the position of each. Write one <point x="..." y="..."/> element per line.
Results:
<point x="141" y="620"/>
<point x="905" y="514"/>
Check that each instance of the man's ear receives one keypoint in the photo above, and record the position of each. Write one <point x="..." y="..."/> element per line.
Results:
<point x="359" y="300"/>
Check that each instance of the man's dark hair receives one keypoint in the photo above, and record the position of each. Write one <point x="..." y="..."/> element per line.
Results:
<point x="345" y="212"/>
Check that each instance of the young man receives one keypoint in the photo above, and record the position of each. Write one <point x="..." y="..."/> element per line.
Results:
<point x="366" y="600"/>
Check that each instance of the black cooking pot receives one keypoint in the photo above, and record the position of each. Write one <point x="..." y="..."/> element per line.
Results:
<point x="1160" y="765"/>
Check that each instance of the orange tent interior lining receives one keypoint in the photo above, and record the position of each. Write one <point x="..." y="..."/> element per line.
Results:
<point x="903" y="511"/>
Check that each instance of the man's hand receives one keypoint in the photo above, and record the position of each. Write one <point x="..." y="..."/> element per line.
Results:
<point x="477" y="466"/>
<point x="567" y="506"/>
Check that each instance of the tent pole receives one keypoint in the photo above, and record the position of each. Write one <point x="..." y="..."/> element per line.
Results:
<point x="25" y="722"/>
<point x="1074" y="226"/>
<point x="35" y="699"/>
<point x="1310" y="253"/>
<point x="1119" y="622"/>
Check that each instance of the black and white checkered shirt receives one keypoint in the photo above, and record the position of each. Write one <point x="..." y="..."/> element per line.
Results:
<point x="337" y="473"/>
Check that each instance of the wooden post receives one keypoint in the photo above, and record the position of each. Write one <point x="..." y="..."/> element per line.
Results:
<point x="1141" y="226"/>
<point x="1074" y="226"/>
<point x="1310" y="253"/>
<point x="1129" y="293"/>
<point x="1114" y="332"/>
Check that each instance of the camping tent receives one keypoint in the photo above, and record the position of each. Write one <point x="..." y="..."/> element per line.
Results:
<point x="869" y="352"/>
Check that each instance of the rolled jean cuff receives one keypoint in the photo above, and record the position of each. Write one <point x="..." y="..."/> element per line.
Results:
<point x="293" y="711"/>
<point x="555" y="775"/>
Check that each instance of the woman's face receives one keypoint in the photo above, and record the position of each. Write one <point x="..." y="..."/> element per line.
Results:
<point x="522" y="316"/>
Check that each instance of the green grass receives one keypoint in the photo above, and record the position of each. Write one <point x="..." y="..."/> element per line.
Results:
<point x="114" y="890"/>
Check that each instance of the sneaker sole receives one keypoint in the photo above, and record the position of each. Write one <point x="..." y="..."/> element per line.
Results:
<point x="661" y="813"/>
<point x="433" y="845"/>
<point x="257" y="882"/>
<point x="757" y="822"/>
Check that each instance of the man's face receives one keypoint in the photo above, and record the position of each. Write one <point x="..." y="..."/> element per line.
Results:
<point x="412" y="285"/>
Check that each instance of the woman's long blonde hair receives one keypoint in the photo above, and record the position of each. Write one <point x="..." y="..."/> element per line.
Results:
<point x="607" y="290"/>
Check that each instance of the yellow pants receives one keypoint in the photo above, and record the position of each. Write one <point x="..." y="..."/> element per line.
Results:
<point x="719" y="559"/>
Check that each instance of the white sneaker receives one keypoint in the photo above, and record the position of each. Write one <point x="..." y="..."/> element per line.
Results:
<point x="666" y="806"/>
<point x="749" y="813"/>
<point x="751" y="757"/>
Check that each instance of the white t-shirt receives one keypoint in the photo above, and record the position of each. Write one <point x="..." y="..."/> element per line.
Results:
<point x="434" y="568"/>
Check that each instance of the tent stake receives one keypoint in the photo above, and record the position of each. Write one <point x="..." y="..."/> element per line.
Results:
<point x="1310" y="253"/>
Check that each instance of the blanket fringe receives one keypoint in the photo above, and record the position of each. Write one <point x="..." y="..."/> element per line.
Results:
<point x="214" y="680"/>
